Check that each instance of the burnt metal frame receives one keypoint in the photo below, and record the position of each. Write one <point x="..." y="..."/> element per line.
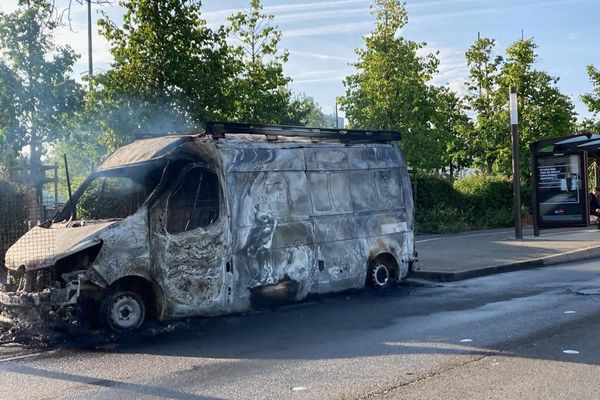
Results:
<point x="219" y="129"/>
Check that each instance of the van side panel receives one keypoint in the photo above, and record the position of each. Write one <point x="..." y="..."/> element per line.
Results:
<point x="272" y="232"/>
<point x="307" y="217"/>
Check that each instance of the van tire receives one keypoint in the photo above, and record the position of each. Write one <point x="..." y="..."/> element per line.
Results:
<point x="380" y="275"/>
<point x="122" y="311"/>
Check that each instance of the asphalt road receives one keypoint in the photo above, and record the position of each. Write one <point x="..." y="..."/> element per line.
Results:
<point x="502" y="336"/>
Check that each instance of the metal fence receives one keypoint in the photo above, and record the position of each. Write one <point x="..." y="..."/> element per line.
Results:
<point x="20" y="210"/>
<point x="14" y="217"/>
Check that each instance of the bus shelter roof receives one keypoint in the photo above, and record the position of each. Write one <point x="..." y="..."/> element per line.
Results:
<point x="566" y="144"/>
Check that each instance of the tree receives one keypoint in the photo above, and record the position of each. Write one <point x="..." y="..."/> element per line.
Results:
<point x="303" y="110"/>
<point x="452" y="127"/>
<point x="544" y="111"/>
<point x="85" y="147"/>
<point x="485" y="140"/>
<point x="37" y="94"/>
<point x="390" y="89"/>
<point x="592" y="100"/>
<point x="170" y="72"/>
<point x="261" y="86"/>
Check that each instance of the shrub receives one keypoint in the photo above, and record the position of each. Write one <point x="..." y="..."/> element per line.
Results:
<point x="433" y="192"/>
<point x="488" y="200"/>
<point x="474" y="202"/>
<point x="437" y="206"/>
<point x="440" y="220"/>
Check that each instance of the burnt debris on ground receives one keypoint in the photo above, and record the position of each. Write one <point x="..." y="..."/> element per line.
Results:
<point x="47" y="329"/>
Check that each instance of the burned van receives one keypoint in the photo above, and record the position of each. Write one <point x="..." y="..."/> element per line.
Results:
<point x="217" y="222"/>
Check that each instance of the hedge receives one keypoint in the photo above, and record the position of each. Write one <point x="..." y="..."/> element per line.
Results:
<point x="474" y="202"/>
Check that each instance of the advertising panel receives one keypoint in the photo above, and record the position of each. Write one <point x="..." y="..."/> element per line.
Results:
<point x="560" y="190"/>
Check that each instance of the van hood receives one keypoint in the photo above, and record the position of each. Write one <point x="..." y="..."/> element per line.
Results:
<point x="43" y="247"/>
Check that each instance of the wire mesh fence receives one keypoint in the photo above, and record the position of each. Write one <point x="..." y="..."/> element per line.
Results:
<point x="14" y="217"/>
<point x="20" y="210"/>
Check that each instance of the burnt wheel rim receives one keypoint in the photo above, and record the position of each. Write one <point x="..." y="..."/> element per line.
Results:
<point x="126" y="312"/>
<point x="381" y="275"/>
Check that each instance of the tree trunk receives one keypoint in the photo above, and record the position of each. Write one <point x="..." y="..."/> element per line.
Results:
<point x="489" y="166"/>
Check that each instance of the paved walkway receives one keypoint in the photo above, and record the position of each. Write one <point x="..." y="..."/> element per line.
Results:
<point x="470" y="254"/>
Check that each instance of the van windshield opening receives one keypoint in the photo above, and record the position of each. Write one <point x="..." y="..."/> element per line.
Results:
<point x="114" y="194"/>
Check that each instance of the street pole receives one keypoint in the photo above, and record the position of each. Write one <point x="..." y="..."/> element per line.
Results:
<point x="337" y="125"/>
<point x="514" y="121"/>
<point x="90" y="64"/>
<point x="596" y="174"/>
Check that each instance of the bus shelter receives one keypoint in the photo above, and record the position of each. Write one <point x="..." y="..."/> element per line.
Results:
<point x="560" y="171"/>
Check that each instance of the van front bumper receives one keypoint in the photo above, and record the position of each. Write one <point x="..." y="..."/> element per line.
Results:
<point x="51" y="297"/>
<point x="12" y="299"/>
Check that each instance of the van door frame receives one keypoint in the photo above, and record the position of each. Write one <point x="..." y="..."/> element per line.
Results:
<point x="161" y="240"/>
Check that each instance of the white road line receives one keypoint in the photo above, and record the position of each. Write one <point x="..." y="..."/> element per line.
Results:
<point x="25" y="356"/>
<point x="489" y="234"/>
<point x="463" y="236"/>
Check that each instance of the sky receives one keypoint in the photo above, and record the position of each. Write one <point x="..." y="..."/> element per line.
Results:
<point x="321" y="37"/>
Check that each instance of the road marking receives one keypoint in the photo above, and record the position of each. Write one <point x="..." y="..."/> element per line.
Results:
<point x="25" y="356"/>
<point x="466" y="340"/>
<point x="563" y="232"/>
<point x="570" y="352"/>
<point x="570" y="312"/>
<point x="299" y="388"/>
<point x="428" y="240"/>
<point x="463" y="236"/>
<point x="488" y="234"/>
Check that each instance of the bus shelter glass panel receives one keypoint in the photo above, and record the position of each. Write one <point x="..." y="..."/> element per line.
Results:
<point x="560" y="191"/>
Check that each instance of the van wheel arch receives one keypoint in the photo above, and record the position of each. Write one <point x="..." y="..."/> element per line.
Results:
<point x="382" y="271"/>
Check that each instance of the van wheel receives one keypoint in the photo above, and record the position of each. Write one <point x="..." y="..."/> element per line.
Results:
<point x="122" y="311"/>
<point x="380" y="276"/>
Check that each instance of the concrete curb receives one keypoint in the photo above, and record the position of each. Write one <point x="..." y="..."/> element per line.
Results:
<point x="569" y="256"/>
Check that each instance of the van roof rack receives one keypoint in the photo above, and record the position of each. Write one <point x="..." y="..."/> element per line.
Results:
<point x="219" y="129"/>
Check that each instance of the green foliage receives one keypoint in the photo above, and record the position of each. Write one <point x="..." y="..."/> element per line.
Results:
<point x="170" y="72"/>
<point x="437" y="206"/>
<point x="488" y="200"/>
<point x="303" y="110"/>
<point x="87" y="145"/>
<point x="434" y="192"/>
<point x="390" y="90"/>
<point x="81" y="162"/>
<point x="38" y="96"/>
<point x="261" y="93"/>
<point x="544" y="112"/>
<point x="474" y="202"/>
<point x="452" y="127"/>
<point x="486" y="138"/>
<point x="13" y="216"/>
<point x="107" y="198"/>
<point x="592" y="100"/>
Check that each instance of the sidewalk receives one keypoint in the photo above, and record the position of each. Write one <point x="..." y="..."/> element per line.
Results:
<point x="477" y="253"/>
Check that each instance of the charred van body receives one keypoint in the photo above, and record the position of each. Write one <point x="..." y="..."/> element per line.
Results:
<point x="208" y="224"/>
